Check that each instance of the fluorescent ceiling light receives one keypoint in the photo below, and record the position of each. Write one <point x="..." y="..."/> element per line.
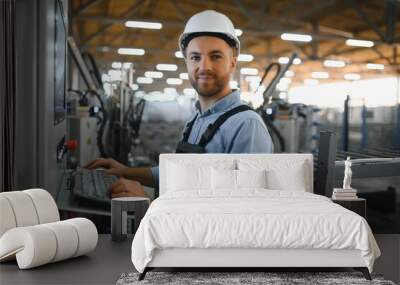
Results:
<point x="285" y="60"/>
<point x="116" y="64"/>
<point x="131" y="51"/>
<point x="189" y="91"/>
<point x="311" y="82"/>
<point x="289" y="73"/>
<point x="245" y="57"/>
<point x="127" y="65"/>
<point x="184" y="76"/>
<point x="320" y="75"/>
<point x="248" y="71"/>
<point x="174" y="81"/>
<point x="297" y="61"/>
<point x="167" y="67"/>
<point x="134" y="86"/>
<point x="143" y="25"/>
<point x="170" y="90"/>
<point x="359" y="43"/>
<point x="233" y="84"/>
<point x="253" y="79"/>
<point x="296" y="37"/>
<point x="144" y="80"/>
<point x="334" y="63"/>
<point x="375" y="66"/>
<point x="153" y="74"/>
<point x="178" y="54"/>
<point x="238" y="32"/>
<point x="352" y="76"/>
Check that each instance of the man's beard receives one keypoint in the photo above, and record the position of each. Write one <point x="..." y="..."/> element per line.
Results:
<point x="214" y="87"/>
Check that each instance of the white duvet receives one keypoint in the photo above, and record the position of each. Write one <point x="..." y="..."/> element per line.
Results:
<point x="250" y="219"/>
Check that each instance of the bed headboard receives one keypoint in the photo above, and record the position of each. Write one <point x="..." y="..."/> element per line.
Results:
<point x="214" y="159"/>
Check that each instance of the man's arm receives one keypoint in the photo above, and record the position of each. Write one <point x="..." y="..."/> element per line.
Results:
<point x="143" y="175"/>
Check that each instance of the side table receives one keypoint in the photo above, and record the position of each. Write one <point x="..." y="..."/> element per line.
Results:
<point x="358" y="205"/>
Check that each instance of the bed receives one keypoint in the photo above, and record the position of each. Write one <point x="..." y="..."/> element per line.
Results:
<point x="247" y="210"/>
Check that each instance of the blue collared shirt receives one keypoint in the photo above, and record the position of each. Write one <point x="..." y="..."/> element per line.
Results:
<point x="244" y="132"/>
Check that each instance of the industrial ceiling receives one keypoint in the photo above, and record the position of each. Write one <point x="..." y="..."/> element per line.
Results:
<point x="98" y="27"/>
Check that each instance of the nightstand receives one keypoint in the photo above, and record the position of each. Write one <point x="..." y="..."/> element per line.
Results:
<point x="358" y="206"/>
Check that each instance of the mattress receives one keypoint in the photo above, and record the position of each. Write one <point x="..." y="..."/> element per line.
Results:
<point x="250" y="219"/>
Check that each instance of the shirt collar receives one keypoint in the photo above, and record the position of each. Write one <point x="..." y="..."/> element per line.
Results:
<point x="222" y="104"/>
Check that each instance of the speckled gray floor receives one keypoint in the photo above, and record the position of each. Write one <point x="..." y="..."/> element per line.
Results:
<point x="275" y="278"/>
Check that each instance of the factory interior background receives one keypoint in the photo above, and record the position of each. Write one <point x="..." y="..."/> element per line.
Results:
<point x="106" y="78"/>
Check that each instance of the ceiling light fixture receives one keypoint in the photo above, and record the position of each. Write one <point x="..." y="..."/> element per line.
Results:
<point x="184" y="76"/>
<point x="285" y="60"/>
<point x="352" y="76"/>
<point x="359" y="43"/>
<point x="253" y="79"/>
<point x="116" y="64"/>
<point x="166" y="67"/>
<point x="153" y="74"/>
<point x="143" y="25"/>
<point x="178" y="54"/>
<point x="334" y="63"/>
<point x="248" y="71"/>
<point x="174" y="81"/>
<point x="245" y="57"/>
<point x="375" y="66"/>
<point x="238" y="32"/>
<point x="131" y="51"/>
<point x="144" y="80"/>
<point x="296" y="37"/>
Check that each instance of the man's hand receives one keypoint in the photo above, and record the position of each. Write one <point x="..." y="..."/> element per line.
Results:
<point x="126" y="188"/>
<point x="110" y="165"/>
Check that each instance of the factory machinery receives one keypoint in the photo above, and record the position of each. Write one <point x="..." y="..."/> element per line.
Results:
<point x="119" y="133"/>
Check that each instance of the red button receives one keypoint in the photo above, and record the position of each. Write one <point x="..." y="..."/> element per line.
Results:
<point x="72" y="144"/>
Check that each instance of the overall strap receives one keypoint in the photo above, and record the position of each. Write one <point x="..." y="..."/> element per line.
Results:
<point x="188" y="129"/>
<point x="213" y="128"/>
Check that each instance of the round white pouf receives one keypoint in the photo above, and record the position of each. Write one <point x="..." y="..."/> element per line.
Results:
<point x="33" y="246"/>
<point x="67" y="240"/>
<point x="7" y="218"/>
<point x="45" y="205"/>
<point x="87" y="235"/>
<point x="23" y="208"/>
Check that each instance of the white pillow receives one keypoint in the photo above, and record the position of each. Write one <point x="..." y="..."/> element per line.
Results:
<point x="251" y="178"/>
<point x="188" y="177"/>
<point x="223" y="179"/>
<point x="226" y="179"/>
<point x="292" y="179"/>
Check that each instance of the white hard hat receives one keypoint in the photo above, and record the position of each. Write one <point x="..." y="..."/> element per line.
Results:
<point x="211" y="23"/>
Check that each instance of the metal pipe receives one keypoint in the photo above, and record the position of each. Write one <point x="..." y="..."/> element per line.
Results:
<point x="345" y="129"/>
<point x="364" y="127"/>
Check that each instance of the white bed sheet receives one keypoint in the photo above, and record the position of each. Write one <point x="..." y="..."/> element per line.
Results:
<point x="252" y="218"/>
